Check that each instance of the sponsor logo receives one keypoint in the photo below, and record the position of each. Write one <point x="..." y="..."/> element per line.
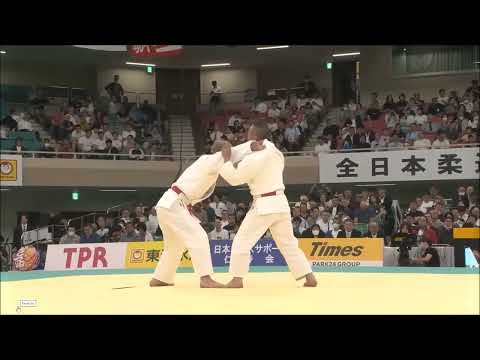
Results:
<point x="137" y="255"/>
<point x="323" y="249"/>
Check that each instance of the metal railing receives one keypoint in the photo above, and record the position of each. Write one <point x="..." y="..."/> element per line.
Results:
<point x="104" y="156"/>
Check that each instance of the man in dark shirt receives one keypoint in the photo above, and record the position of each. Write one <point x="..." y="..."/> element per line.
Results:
<point x="349" y="231"/>
<point x="114" y="89"/>
<point x="429" y="257"/>
<point x="89" y="237"/>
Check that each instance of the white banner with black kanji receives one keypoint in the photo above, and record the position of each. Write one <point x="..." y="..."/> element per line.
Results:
<point x="401" y="165"/>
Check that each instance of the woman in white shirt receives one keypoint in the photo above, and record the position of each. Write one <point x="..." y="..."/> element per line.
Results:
<point x="421" y="119"/>
<point x="391" y="119"/>
<point x="473" y="123"/>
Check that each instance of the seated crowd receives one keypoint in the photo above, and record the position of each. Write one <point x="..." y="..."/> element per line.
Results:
<point x="291" y="119"/>
<point x="321" y="213"/>
<point x="445" y="121"/>
<point x="111" y="125"/>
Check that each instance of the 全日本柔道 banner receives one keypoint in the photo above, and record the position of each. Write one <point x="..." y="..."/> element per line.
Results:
<point x="402" y="165"/>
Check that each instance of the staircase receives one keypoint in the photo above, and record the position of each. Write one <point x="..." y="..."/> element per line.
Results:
<point x="181" y="136"/>
<point x="330" y="118"/>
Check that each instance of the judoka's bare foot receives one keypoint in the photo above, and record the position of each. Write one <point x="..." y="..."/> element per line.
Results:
<point x="155" y="282"/>
<point x="310" y="280"/>
<point x="208" y="282"/>
<point x="235" y="283"/>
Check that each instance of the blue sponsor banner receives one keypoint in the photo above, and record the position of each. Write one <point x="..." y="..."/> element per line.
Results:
<point x="264" y="253"/>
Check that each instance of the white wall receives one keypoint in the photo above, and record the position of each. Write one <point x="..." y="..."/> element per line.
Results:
<point x="134" y="80"/>
<point x="376" y="75"/>
<point x="288" y="77"/>
<point x="14" y="73"/>
<point x="230" y="80"/>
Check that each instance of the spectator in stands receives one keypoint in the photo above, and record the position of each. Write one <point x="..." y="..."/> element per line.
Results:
<point x="152" y="220"/>
<point x="374" y="231"/>
<point x="9" y="121"/>
<point x="313" y="232"/>
<point x="48" y="146"/>
<point x="99" y="144"/>
<point x="421" y="119"/>
<point x="143" y="234"/>
<point x="260" y="106"/>
<point x="422" y="142"/>
<point x="442" y="97"/>
<point x="128" y="130"/>
<point x="217" y="205"/>
<point x="102" y="229"/>
<point x="215" y="97"/>
<point x="117" y="141"/>
<point x="217" y="134"/>
<point x="436" y="108"/>
<point x="86" y="142"/>
<point x="4" y="131"/>
<point x="292" y="136"/>
<point x="115" y="89"/>
<point x="322" y="146"/>
<point x="77" y="133"/>
<point x="363" y="214"/>
<point x="24" y="123"/>
<point x="377" y="142"/>
<point x="473" y="121"/>
<point x="18" y="147"/>
<point x="402" y="103"/>
<point x="274" y="111"/>
<point x="429" y="256"/>
<point x="57" y="121"/>
<point x="349" y="231"/>
<point x="136" y="153"/>
<point x="109" y="149"/>
<point x="218" y="233"/>
<point x="363" y="143"/>
<point x="389" y="103"/>
<point x="130" y="235"/>
<point x="426" y="230"/>
<point x="441" y="141"/>
<point x="452" y="132"/>
<point x="411" y="133"/>
<point x="325" y="222"/>
<point x="70" y="237"/>
<point x="89" y="236"/>
<point x="395" y="142"/>
<point x="309" y="87"/>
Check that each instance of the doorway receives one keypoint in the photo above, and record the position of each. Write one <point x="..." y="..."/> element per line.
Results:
<point x="345" y="77"/>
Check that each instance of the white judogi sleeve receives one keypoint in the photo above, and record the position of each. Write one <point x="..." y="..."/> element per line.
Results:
<point x="246" y="170"/>
<point x="240" y="151"/>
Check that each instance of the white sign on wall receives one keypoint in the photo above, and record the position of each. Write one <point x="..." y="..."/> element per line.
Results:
<point x="402" y="165"/>
<point x="86" y="256"/>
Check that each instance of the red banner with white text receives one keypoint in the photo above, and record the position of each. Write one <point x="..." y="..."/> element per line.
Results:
<point x="147" y="51"/>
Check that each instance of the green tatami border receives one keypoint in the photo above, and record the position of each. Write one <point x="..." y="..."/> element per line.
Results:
<point x="31" y="275"/>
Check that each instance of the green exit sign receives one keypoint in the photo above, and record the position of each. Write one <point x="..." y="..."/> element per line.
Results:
<point x="75" y="195"/>
<point x="150" y="69"/>
<point x="329" y="65"/>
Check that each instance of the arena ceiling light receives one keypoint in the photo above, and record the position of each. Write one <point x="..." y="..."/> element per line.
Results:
<point x="273" y="47"/>
<point x="346" y="54"/>
<point x="139" y="64"/>
<point x="3" y="52"/>
<point x="213" y="65"/>
<point x="117" y="190"/>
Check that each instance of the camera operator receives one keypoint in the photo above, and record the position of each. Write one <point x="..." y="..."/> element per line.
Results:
<point x="429" y="255"/>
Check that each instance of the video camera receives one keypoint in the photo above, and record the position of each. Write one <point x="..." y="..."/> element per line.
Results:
<point x="404" y="255"/>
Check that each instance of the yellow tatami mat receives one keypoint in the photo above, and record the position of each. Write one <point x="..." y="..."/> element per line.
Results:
<point x="265" y="293"/>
